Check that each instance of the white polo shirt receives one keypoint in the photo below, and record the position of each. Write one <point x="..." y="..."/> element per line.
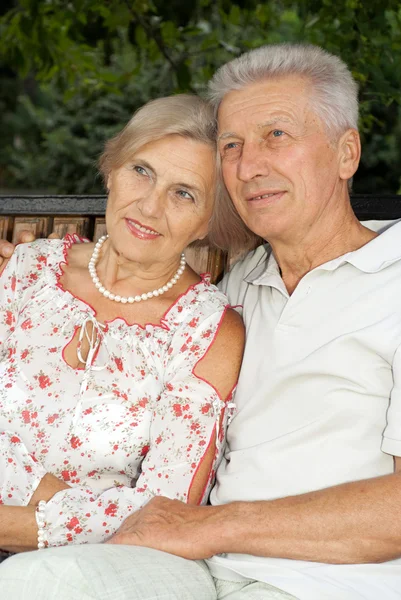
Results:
<point x="319" y="401"/>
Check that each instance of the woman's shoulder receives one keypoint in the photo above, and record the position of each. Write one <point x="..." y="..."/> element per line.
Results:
<point x="37" y="253"/>
<point x="201" y="299"/>
<point x="43" y="255"/>
<point x="207" y="330"/>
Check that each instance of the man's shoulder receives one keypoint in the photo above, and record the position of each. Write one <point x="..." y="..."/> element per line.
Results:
<point x="234" y="282"/>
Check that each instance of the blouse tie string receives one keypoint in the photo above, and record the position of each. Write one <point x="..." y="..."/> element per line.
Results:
<point x="94" y="335"/>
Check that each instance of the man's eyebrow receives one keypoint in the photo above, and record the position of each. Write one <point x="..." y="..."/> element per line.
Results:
<point x="232" y="134"/>
<point x="227" y="134"/>
<point x="273" y="122"/>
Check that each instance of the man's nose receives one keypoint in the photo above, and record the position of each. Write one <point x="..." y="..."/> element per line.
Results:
<point x="253" y="163"/>
<point x="152" y="204"/>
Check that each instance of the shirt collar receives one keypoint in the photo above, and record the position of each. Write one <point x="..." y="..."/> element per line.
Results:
<point x="382" y="251"/>
<point x="267" y="272"/>
<point x="379" y="253"/>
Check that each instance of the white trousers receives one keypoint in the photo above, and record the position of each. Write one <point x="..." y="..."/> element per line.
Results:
<point x="106" y="572"/>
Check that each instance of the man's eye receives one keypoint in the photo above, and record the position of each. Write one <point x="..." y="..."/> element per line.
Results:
<point x="277" y="133"/>
<point x="230" y="146"/>
<point x="184" y="194"/>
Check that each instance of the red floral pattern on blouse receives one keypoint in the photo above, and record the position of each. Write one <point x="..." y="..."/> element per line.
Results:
<point x="134" y="423"/>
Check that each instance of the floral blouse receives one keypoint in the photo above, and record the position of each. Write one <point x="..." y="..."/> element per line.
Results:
<point x="134" y="423"/>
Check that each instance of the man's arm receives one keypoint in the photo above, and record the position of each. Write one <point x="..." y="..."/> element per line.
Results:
<point x="351" y="523"/>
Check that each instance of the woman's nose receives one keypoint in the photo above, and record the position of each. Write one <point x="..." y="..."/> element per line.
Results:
<point x="151" y="205"/>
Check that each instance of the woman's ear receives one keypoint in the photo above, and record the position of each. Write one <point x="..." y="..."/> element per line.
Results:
<point x="350" y="154"/>
<point x="204" y="231"/>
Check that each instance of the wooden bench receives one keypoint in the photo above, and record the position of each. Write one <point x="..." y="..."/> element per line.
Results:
<point x="85" y="215"/>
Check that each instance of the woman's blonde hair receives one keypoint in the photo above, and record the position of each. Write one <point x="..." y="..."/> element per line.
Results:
<point x="184" y="114"/>
<point x="193" y="118"/>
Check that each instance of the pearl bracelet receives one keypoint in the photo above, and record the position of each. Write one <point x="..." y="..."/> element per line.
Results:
<point x="41" y="523"/>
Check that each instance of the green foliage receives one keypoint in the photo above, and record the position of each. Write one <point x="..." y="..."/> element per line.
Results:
<point x="83" y="67"/>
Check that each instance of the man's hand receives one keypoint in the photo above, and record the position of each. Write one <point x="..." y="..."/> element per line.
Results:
<point x="172" y="526"/>
<point x="7" y="249"/>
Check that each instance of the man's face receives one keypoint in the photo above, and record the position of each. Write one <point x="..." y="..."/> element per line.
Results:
<point x="280" y="167"/>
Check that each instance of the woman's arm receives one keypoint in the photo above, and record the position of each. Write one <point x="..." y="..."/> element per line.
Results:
<point x="220" y="368"/>
<point x="48" y="486"/>
<point x="182" y="454"/>
<point x="23" y="483"/>
<point x="18" y="528"/>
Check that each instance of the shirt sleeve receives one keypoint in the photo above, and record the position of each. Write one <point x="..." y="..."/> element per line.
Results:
<point x="391" y="443"/>
<point x="184" y="420"/>
<point x="20" y="472"/>
<point x="8" y="300"/>
<point x="17" y="283"/>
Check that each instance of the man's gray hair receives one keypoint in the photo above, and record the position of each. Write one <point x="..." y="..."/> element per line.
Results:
<point x="335" y="97"/>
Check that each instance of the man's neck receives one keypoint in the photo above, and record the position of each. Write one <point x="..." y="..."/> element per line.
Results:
<point x="322" y="243"/>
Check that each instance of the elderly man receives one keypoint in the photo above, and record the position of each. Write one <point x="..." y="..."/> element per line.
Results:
<point x="306" y="500"/>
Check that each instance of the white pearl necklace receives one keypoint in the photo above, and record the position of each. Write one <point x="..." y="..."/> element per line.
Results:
<point x="130" y="299"/>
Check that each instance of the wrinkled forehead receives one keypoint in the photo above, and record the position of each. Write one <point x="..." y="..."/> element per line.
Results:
<point x="289" y="96"/>
<point x="179" y="151"/>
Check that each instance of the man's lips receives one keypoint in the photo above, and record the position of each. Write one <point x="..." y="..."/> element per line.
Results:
<point x="141" y="231"/>
<point x="263" y="195"/>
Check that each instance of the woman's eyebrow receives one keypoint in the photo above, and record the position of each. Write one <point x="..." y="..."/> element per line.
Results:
<point x="138" y="161"/>
<point x="189" y="186"/>
<point x="143" y="163"/>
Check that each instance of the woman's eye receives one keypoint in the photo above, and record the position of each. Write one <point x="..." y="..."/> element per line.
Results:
<point x="184" y="194"/>
<point x="140" y="170"/>
<point x="277" y="133"/>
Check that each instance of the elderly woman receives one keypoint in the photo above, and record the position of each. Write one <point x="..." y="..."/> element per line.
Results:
<point x="117" y="360"/>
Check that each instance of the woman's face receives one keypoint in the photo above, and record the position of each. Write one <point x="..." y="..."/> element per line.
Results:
<point x="161" y="200"/>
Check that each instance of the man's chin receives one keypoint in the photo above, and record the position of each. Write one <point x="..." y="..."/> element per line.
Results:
<point x="268" y="228"/>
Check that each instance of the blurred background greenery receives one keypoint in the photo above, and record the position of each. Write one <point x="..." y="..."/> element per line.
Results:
<point x="73" y="72"/>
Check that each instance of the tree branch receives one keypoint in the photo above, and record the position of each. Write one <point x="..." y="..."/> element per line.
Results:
<point x="155" y="35"/>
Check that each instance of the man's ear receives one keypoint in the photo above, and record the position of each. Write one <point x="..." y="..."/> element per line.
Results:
<point x="350" y="153"/>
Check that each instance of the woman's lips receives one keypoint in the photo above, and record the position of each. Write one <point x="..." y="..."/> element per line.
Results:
<point x="140" y="231"/>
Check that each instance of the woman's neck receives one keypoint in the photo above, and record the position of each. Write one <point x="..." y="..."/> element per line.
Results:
<point x="126" y="277"/>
